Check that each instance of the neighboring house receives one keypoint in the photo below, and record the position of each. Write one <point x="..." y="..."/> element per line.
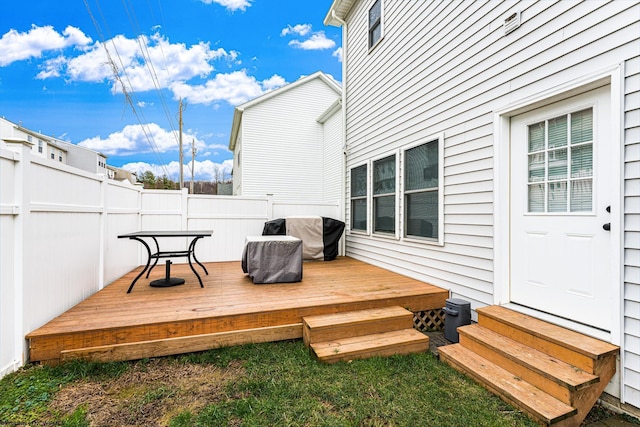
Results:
<point x="289" y="142"/>
<point x="41" y="145"/>
<point x="493" y="149"/>
<point x="55" y="149"/>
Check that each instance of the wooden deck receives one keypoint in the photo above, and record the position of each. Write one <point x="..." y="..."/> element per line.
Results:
<point x="229" y="310"/>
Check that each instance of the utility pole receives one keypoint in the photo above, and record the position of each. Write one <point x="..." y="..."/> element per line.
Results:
<point x="180" y="144"/>
<point x="193" y="158"/>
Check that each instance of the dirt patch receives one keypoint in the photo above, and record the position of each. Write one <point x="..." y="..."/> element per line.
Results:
<point x="149" y="393"/>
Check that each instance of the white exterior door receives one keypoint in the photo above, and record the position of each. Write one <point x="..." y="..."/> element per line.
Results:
<point x="561" y="181"/>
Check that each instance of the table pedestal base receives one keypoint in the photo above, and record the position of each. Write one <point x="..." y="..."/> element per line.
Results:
<point x="167" y="281"/>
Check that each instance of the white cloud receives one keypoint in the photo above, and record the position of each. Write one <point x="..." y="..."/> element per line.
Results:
<point x="204" y="170"/>
<point x="299" y="29"/>
<point x="231" y="5"/>
<point x="317" y="41"/>
<point x="338" y="53"/>
<point x="135" y="139"/>
<point x="17" y="46"/>
<point x="235" y="88"/>
<point x="171" y="63"/>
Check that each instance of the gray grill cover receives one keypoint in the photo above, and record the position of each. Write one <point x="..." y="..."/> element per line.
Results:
<point x="273" y="259"/>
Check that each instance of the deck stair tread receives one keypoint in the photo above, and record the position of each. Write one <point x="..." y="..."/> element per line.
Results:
<point x="335" y="326"/>
<point x="402" y="341"/>
<point x="577" y="342"/>
<point x="522" y="394"/>
<point x="528" y="358"/>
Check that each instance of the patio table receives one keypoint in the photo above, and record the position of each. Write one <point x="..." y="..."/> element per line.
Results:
<point x="189" y="253"/>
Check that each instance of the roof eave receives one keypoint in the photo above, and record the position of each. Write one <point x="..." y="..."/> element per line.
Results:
<point x="338" y="12"/>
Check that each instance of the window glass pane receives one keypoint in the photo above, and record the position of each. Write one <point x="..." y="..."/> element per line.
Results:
<point x="422" y="214"/>
<point x="536" y="167"/>
<point x="359" y="214"/>
<point x="582" y="126"/>
<point x="582" y="161"/>
<point x="384" y="176"/>
<point x="557" y="197"/>
<point x="359" y="181"/>
<point x="558" y="164"/>
<point x="374" y="13"/>
<point x="376" y="33"/>
<point x="581" y="191"/>
<point x="421" y="167"/>
<point x="384" y="214"/>
<point x="536" y="137"/>
<point x="536" y="198"/>
<point x="558" y="132"/>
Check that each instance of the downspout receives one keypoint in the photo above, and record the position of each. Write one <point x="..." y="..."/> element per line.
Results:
<point x="344" y="123"/>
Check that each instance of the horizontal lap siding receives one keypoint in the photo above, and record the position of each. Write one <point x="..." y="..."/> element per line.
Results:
<point x="445" y="67"/>
<point x="631" y="274"/>
<point x="282" y="143"/>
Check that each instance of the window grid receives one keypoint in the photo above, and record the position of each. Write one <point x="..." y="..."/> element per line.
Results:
<point x="560" y="166"/>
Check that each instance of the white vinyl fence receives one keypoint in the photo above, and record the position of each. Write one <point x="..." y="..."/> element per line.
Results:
<point x="59" y="228"/>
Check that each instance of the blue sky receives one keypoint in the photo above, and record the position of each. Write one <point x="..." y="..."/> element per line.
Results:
<point x="57" y="78"/>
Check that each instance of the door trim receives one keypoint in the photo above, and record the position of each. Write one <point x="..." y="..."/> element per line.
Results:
<point x="613" y="76"/>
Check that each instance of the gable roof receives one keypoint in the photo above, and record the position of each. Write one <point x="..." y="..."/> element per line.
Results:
<point x="338" y="12"/>
<point x="237" y="112"/>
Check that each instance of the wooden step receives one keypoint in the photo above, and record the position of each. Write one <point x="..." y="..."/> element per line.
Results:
<point x="571" y="347"/>
<point x="548" y="373"/>
<point x="404" y="341"/>
<point x="337" y="326"/>
<point x="512" y="389"/>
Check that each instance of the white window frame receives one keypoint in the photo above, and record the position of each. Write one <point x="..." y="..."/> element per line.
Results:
<point x="369" y="43"/>
<point x="439" y="240"/>
<point x="396" y="233"/>
<point x="367" y="198"/>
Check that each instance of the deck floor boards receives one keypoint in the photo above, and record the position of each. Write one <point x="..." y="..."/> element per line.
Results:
<point x="229" y="301"/>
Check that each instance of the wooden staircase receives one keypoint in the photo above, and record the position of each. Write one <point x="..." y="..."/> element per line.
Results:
<point x="363" y="333"/>
<point x="554" y="374"/>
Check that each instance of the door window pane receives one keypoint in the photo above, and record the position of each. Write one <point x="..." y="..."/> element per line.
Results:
<point x="581" y="200"/>
<point x="536" y="198"/>
<point x="582" y="161"/>
<point x="536" y="137"/>
<point x="557" y="197"/>
<point x="558" y="132"/>
<point x="582" y="126"/>
<point x="558" y="164"/>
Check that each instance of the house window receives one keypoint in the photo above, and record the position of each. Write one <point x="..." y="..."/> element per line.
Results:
<point x="359" y="198"/>
<point x="53" y="155"/>
<point x="39" y="146"/>
<point x="384" y="195"/>
<point x="59" y="155"/>
<point x="30" y="138"/>
<point x="375" y="23"/>
<point x="423" y="190"/>
<point x="560" y="163"/>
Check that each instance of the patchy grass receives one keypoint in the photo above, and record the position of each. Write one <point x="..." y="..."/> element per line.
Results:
<point x="255" y="385"/>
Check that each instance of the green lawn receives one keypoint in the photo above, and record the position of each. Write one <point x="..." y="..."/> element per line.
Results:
<point x="275" y="384"/>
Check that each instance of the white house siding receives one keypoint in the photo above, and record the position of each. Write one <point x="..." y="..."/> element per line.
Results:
<point x="332" y="158"/>
<point x="282" y="144"/>
<point x="632" y="233"/>
<point x="444" y="68"/>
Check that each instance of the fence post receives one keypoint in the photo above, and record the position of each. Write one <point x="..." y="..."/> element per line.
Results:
<point x="184" y="202"/>
<point x="102" y="250"/>
<point x="269" y="207"/>
<point x="22" y="223"/>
